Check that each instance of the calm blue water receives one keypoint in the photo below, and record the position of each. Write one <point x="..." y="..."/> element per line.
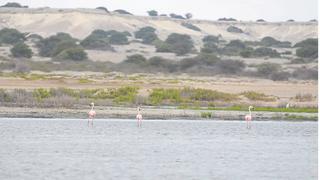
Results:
<point x="118" y="149"/>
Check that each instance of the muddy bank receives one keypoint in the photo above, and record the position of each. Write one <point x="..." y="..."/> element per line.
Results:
<point x="150" y="113"/>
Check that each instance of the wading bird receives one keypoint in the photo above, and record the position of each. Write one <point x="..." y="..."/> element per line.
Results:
<point x="248" y="117"/>
<point x="139" y="117"/>
<point x="91" y="114"/>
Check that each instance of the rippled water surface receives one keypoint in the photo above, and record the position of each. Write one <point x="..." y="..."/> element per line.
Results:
<point x="118" y="149"/>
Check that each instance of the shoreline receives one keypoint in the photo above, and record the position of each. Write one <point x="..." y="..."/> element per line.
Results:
<point x="152" y="113"/>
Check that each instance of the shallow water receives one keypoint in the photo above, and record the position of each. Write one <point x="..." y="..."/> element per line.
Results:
<point x="118" y="149"/>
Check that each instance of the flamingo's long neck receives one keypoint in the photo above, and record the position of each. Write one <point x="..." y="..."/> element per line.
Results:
<point x="92" y="107"/>
<point x="250" y="111"/>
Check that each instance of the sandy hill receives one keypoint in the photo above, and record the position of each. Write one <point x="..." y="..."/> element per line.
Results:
<point x="80" y="22"/>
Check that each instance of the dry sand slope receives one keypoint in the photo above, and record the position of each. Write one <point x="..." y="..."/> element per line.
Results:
<point x="80" y="22"/>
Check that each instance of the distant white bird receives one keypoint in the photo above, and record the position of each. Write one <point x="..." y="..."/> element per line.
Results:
<point x="91" y="114"/>
<point x="248" y="117"/>
<point x="139" y="117"/>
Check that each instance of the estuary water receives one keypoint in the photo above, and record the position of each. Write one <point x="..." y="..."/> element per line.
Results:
<point x="160" y="149"/>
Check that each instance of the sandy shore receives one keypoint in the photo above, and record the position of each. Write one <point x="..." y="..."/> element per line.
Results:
<point x="149" y="113"/>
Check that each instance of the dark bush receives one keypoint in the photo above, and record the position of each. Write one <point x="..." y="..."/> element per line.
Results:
<point x="230" y="66"/>
<point x="162" y="46"/>
<point x="162" y="64"/>
<point x="209" y="47"/>
<point x="211" y="39"/>
<point x="103" y="8"/>
<point x="307" y="52"/>
<point x="21" y="50"/>
<point x="264" y="51"/>
<point x="101" y="40"/>
<point x="305" y="74"/>
<point x="180" y="43"/>
<point x="188" y="15"/>
<point x="227" y="19"/>
<point x="50" y="46"/>
<point x="261" y="20"/>
<point x="136" y="59"/>
<point x="73" y="53"/>
<point x="290" y="20"/>
<point x="121" y="11"/>
<point x="14" y="5"/>
<point x="307" y="42"/>
<point x="234" y="29"/>
<point x="246" y="53"/>
<point x="147" y="34"/>
<point x="313" y="20"/>
<point x="176" y="16"/>
<point x="280" y="76"/>
<point x="190" y="26"/>
<point x="266" y="69"/>
<point x="270" y="41"/>
<point x="11" y="36"/>
<point x="118" y="38"/>
<point x="152" y="13"/>
<point x="234" y="47"/>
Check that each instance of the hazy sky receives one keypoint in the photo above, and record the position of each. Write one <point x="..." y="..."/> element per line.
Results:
<point x="270" y="10"/>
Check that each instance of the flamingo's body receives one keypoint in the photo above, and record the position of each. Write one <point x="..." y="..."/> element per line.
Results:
<point x="139" y="117"/>
<point x="248" y="118"/>
<point x="91" y="114"/>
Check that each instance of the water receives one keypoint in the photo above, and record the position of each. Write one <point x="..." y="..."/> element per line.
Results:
<point x="118" y="149"/>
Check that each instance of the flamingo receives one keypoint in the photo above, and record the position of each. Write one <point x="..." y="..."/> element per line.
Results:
<point x="139" y="117"/>
<point x="248" y="117"/>
<point x="91" y="113"/>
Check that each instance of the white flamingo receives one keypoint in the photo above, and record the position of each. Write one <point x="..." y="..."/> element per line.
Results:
<point x="248" y="117"/>
<point x="139" y="117"/>
<point x="91" y="114"/>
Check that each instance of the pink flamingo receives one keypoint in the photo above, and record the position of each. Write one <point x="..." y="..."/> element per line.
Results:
<point x="91" y="114"/>
<point x="139" y="117"/>
<point x="248" y="117"/>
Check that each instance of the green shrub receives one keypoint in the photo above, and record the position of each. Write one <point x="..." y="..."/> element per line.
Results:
<point x="76" y="53"/>
<point x="227" y="19"/>
<point x="4" y="96"/>
<point x="190" y="26"/>
<point x="50" y="47"/>
<point x="210" y="39"/>
<point x="307" y="42"/>
<point x="180" y="43"/>
<point x="118" y="38"/>
<point x="136" y="59"/>
<point x="152" y="13"/>
<point x="270" y="41"/>
<point x="11" y="36"/>
<point x="41" y="94"/>
<point x="280" y="76"/>
<point x="255" y="96"/>
<point x="121" y="11"/>
<point x="234" y="29"/>
<point x="103" y="8"/>
<point x="147" y="34"/>
<point x="230" y="66"/>
<point x="206" y="115"/>
<point x="307" y="52"/>
<point x="264" y="51"/>
<point x="157" y="96"/>
<point x="266" y="69"/>
<point x="14" y="5"/>
<point x="162" y="46"/>
<point x="21" y="50"/>
<point x="101" y="40"/>
<point x="209" y="47"/>
<point x="305" y="74"/>
<point x="176" y="16"/>
<point x="234" y="47"/>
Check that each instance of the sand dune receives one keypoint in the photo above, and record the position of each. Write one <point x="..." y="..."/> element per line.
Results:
<point x="80" y="22"/>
